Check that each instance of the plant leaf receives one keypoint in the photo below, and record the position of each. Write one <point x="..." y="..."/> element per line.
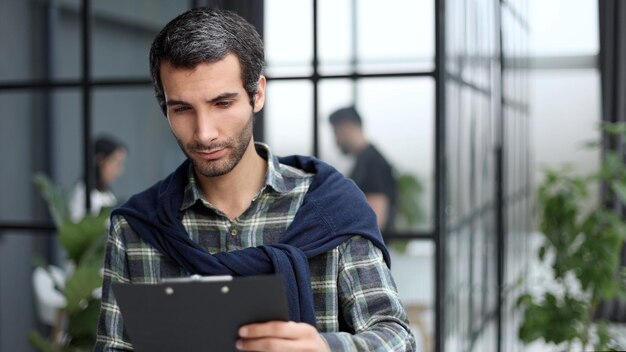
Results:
<point x="80" y="286"/>
<point x="410" y="212"/>
<point x="76" y="238"/>
<point x="54" y="196"/>
<point x="82" y="324"/>
<point x="41" y="343"/>
<point x="620" y="189"/>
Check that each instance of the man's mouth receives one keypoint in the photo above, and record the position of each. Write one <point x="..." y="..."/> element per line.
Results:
<point x="212" y="154"/>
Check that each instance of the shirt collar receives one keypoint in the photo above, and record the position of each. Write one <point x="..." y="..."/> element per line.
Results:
<point x="275" y="178"/>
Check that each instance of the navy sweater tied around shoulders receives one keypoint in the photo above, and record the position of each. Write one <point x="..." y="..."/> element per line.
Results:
<point x="333" y="210"/>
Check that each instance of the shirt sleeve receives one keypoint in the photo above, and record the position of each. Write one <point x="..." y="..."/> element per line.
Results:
<point x="111" y="336"/>
<point x="369" y="302"/>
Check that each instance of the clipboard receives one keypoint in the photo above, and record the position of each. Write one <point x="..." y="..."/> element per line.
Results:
<point x="198" y="313"/>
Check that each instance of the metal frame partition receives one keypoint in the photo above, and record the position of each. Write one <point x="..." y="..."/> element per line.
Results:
<point x="440" y="76"/>
<point x="86" y="84"/>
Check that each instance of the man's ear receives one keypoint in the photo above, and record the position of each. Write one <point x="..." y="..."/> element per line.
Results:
<point x="259" y="97"/>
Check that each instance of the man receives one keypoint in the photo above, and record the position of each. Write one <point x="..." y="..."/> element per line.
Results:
<point x="371" y="172"/>
<point x="234" y="208"/>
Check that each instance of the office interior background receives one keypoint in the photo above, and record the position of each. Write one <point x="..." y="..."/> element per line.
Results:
<point x="471" y="98"/>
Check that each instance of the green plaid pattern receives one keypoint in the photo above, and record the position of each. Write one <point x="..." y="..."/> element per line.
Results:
<point x="356" y="302"/>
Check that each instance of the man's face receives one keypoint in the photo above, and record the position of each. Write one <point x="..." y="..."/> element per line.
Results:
<point x="343" y="133"/>
<point x="210" y="114"/>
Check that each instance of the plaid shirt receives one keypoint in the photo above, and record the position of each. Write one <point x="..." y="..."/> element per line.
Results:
<point x="356" y="302"/>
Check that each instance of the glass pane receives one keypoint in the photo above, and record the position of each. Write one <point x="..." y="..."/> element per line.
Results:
<point x="288" y="37"/>
<point x="484" y="158"/>
<point x="486" y="45"/>
<point x="27" y="28"/>
<point x="334" y="94"/>
<point x="398" y="120"/>
<point x="513" y="31"/>
<point x="487" y="339"/>
<point x="477" y="276"/>
<point x="17" y="31"/>
<point x="398" y="36"/>
<point x="288" y="117"/>
<point x="66" y="45"/>
<point x="463" y="159"/>
<point x="575" y="123"/>
<point x="67" y="134"/>
<point x="453" y="115"/>
<point x="461" y="290"/>
<point x="123" y="32"/>
<point x="413" y="272"/>
<point x="32" y="139"/>
<point x="17" y="250"/>
<point x="563" y="27"/>
<point x="132" y="116"/>
<point x="336" y="36"/>
<point x="455" y="43"/>
<point x="17" y="151"/>
<point x="490" y="287"/>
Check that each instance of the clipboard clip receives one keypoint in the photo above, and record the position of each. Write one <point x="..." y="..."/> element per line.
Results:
<point x="198" y="278"/>
<point x="169" y="290"/>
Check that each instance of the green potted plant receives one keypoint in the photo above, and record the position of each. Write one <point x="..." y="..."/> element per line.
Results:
<point x="582" y="247"/>
<point x="84" y="243"/>
<point x="409" y="208"/>
<point x="409" y="211"/>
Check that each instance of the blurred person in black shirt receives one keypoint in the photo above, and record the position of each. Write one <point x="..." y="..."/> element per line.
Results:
<point x="372" y="172"/>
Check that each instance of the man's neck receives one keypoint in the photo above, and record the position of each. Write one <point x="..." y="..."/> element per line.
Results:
<point x="232" y="193"/>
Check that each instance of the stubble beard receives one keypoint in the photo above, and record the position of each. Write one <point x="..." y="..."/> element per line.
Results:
<point x="236" y="147"/>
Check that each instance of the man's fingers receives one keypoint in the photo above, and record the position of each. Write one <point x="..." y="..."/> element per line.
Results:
<point x="278" y="336"/>
<point x="269" y="344"/>
<point x="279" y="329"/>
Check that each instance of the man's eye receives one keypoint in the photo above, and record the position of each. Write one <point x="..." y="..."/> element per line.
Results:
<point x="181" y="109"/>
<point x="224" y="104"/>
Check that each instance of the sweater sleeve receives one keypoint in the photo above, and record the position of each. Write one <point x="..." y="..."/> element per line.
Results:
<point x="111" y="336"/>
<point x="369" y="303"/>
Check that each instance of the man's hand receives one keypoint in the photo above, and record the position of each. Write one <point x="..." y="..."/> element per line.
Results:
<point x="278" y="336"/>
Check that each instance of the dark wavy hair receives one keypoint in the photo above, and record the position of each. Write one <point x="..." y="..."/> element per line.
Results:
<point x="204" y="35"/>
<point x="347" y="114"/>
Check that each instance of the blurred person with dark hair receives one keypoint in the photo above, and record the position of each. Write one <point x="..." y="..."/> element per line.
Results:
<point x="234" y="208"/>
<point x="371" y="172"/>
<point x="109" y="157"/>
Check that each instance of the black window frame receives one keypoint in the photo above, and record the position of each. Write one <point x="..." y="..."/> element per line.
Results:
<point x="440" y="76"/>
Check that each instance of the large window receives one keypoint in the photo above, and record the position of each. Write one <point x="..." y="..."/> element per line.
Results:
<point x="488" y="188"/>
<point x="70" y="71"/>
<point x="431" y="85"/>
<point x="380" y="60"/>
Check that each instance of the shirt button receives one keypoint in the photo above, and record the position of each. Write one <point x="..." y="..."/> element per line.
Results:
<point x="233" y="232"/>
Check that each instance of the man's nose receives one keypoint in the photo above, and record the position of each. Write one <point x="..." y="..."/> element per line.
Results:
<point x="206" y="127"/>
